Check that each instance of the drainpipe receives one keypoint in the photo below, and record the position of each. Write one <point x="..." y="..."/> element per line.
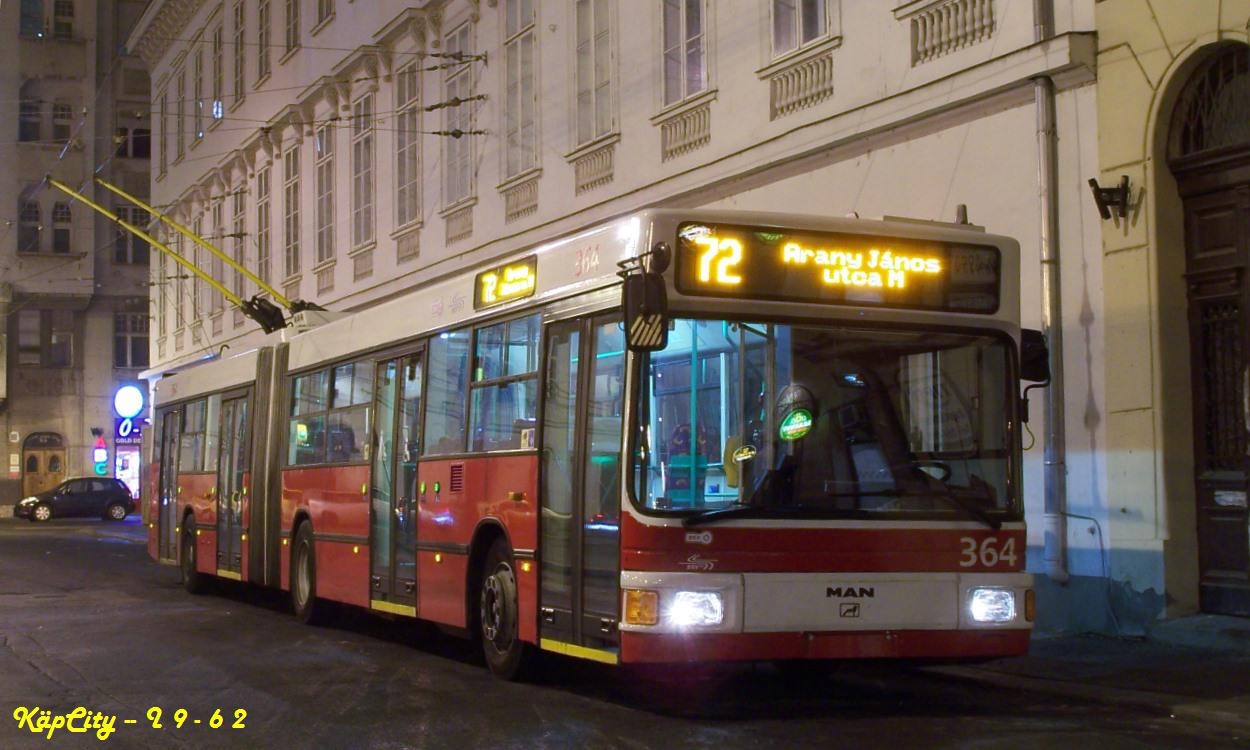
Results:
<point x="1055" y="553"/>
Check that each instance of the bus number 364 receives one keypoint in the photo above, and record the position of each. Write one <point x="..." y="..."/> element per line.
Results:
<point x="989" y="552"/>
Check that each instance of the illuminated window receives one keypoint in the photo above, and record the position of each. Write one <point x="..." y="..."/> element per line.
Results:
<point x="685" y="52"/>
<point x="594" y="70"/>
<point x="520" y="104"/>
<point x="458" y="152"/>
<point x="504" y="391"/>
<point x="29" y="227"/>
<point x="329" y="416"/>
<point x="262" y="39"/>
<point x="445" y="397"/>
<point x="323" y="150"/>
<point x="262" y="224"/>
<point x="218" y="109"/>
<point x="797" y="22"/>
<point x="290" y="211"/>
<point x="191" y="440"/>
<point x="362" y="171"/>
<point x="61" y="227"/>
<point x="407" y="146"/>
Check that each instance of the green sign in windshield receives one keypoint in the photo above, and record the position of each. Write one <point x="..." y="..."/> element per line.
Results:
<point x="796" y="424"/>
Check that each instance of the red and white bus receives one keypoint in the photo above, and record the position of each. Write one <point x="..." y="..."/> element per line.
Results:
<point x="820" y="459"/>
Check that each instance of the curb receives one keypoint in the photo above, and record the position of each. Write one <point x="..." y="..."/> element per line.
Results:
<point x="1229" y="713"/>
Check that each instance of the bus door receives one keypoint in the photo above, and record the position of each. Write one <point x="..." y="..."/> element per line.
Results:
<point x="167" y="502"/>
<point x="581" y="472"/>
<point x="393" y="485"/>
<point x="231" y="466"/>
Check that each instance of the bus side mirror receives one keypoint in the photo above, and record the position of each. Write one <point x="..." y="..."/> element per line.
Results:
<point x="646" y="312"/>
<point x="1034" y="356"/>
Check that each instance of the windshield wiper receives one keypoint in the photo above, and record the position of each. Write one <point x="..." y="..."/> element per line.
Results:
<point x="946" y="493"/>
<point x="739" y="510"/>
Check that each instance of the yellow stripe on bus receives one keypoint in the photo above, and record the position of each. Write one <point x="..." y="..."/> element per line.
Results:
<point x="395" y="609"/>
<point x="581" y="652"/>
<point x="230" y="574"/>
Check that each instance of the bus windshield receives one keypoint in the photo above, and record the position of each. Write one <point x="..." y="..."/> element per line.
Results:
<point x="776" y="420"/>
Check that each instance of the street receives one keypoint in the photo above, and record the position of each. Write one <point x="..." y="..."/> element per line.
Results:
<point x="86" y="619"/>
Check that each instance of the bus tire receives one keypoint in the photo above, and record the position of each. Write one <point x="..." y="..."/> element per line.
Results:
<point x="193" y="580"/>
<point x="506" y="654"/>
<point x="307" y="607"/>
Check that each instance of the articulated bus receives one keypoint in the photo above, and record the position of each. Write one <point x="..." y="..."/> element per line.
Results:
<point x="818" y="458"/>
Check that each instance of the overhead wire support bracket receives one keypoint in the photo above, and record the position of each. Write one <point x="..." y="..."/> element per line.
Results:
<point x="455" y="101"/>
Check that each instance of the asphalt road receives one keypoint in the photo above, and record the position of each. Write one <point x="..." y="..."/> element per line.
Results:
<point x="87" y="620"/>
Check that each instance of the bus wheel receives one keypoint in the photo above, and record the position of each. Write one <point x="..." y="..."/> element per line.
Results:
<point x="308" y="609"/>
<point x="505" y="653"/>
<point x="192" y="580"/>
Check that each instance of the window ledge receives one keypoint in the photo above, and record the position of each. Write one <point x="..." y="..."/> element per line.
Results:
<point x="525" y="176"/>
<point x="213" y="124"/>
<point x="288" y="54"/>
<point x="459" y="205"/>
<point x="325" y="265"/>
<point x="812" y="49"/>
<point x="593" y="145"/>
<point x="238" y="102"/>
<point x="292" y="279"/>
<point x="195" y="143"/>
<point x="407" y="229"/>
<point x="321" y="25"/>
<point x="178" y="160"/>
<point x="362" y="248"/>
<point x="685" y="105"/>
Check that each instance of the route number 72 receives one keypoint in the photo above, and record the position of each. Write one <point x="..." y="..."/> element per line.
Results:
<point x="726" y="254"/>
<point x="989" y="552"/>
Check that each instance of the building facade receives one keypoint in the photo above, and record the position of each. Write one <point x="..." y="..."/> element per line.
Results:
<point x="73" y="291"/>
<point x="347" y="152"/>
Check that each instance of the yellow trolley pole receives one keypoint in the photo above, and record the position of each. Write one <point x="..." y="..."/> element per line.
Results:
<point x="281" y="299"/>
<point x="234" y="298"/>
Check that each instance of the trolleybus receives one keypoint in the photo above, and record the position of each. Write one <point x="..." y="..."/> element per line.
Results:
<point x="682" y="436"/>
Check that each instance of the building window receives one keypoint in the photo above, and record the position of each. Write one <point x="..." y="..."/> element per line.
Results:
<point x="28" y="227"/>
<point x="219" y="72"/>
<point x="323" y="153"/>
<point x="180" y="286"/>
<point x="133" y="143"/>
<point x="685" y="69"/>
<point x="262" y="39"/>
<point x="290" y="209"/>
<point x="292" y="25"/>
<point x="240" y="53"/>
<point x="797" y="22"/>
<point x="197" y="284"/>
<point x="325" y="9"/>
<point x="198" y="104"/>
<point x="162" y="294"/>
<point x="218" y="266"/>
<point x="237" y="235"/>
<point x="362" y="171"/>
<point x="458" y="83"/>
<point x="30" y="120"/>
<point x="62" y="229"/>
<point x="408" y="146"/>
<point x="45" y="338"/>
<point x="594" y="70"/>
<point x="163" y="144"/>
<point x="63" y="19"/>
<point x="32" y="19"/>
<point x="130" y="340"/>
<point x="520" y="105"/>
<point x="130" y="248"/>
<point x="262" y="224"/>
<point x="180" y="128"/>
<point x="62" y="121"/>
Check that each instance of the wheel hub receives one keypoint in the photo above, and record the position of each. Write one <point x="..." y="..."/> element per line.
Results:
<point x="495" y="613"/>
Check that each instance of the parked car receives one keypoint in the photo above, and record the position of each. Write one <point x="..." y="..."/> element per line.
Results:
<point x="104" y="497"/>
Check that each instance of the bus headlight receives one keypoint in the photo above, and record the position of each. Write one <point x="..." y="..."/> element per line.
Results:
<point x="692" y="609"/>
<point x="991" y="605"/>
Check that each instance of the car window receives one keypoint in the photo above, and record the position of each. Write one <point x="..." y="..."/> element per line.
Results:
<point x="77" y="487"/>
<point x="100" y="485"/>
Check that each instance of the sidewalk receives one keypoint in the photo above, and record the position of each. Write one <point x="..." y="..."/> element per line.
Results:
<point x="1195" y="668"/>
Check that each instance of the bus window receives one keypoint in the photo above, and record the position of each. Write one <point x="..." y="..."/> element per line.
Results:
<point x="307" y="436"/>
<point x="348" y="422"/>
<point x="504" y="402"/>
<point x="191" y="441"/>
<point x="448" y="378"/>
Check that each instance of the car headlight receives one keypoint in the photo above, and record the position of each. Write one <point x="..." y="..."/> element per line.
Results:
<point x="992" y="605"/>
<point x="691" y="609"/>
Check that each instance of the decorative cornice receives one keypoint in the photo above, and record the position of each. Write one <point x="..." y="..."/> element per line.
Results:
<point x="161" y="25"/>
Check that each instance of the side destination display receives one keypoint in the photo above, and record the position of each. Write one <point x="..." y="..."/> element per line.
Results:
<point x="848" y="269"/>
<point x="516" y="280"/>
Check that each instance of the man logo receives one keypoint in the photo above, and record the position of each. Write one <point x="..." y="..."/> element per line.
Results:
<point x="850" y="592"/>
<point x="849" y="610"/>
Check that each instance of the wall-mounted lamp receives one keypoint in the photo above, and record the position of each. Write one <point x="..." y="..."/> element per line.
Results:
<point x="1112" y="197"/>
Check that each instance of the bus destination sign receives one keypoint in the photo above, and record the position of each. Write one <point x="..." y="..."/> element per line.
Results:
<point x="516" y="280"/>
<point x="837" y="268"/>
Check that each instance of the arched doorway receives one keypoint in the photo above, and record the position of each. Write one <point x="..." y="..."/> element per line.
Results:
<point x="43" y="462"/>
<point x="1209" y="155"/>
